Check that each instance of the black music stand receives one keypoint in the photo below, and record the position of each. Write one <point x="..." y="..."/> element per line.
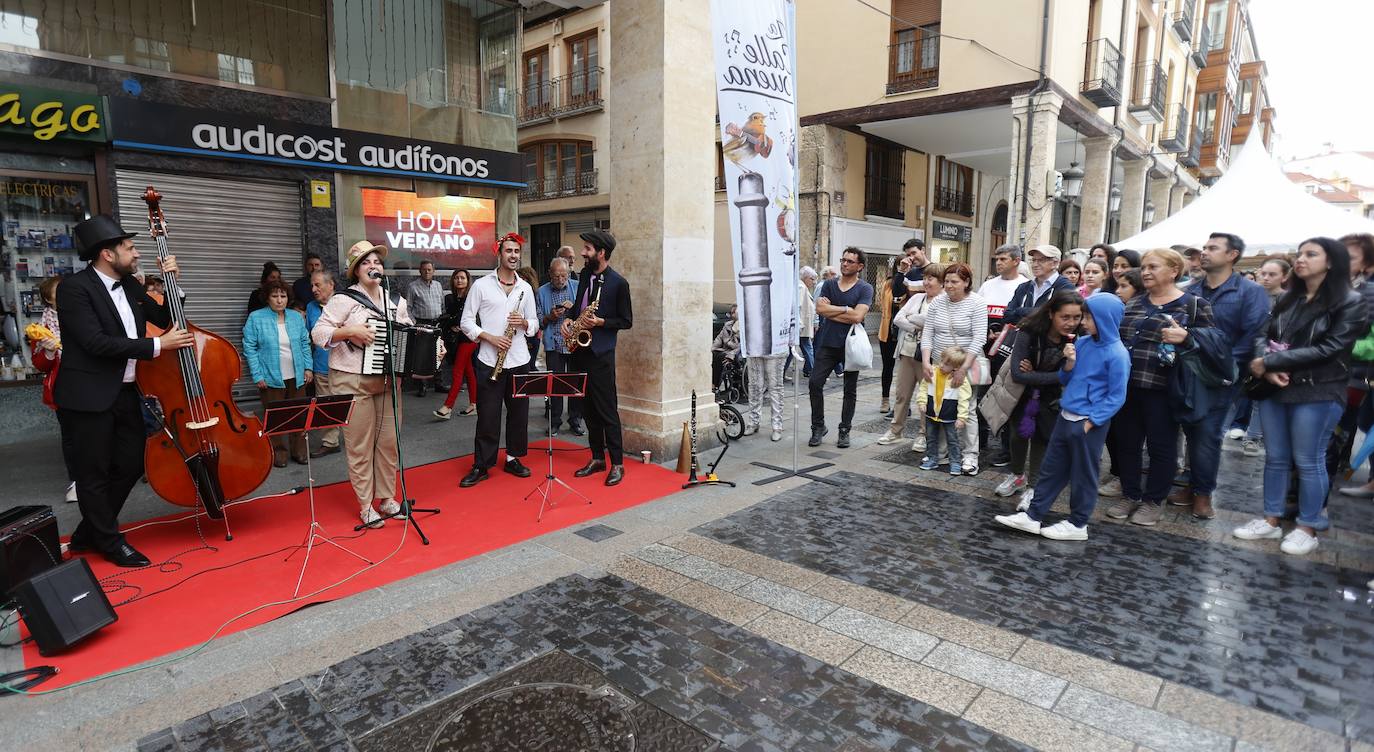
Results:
<point x="299" y="415"/>
<point x="549" y="384"/>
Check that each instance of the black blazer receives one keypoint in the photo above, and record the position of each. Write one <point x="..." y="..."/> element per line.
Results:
<point x="95" y="348"/>
<point x="614" y="308"/>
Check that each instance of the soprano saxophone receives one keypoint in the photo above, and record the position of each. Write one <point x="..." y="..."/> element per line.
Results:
<point x="510" y="335"/>
<point x="581" y="335"/>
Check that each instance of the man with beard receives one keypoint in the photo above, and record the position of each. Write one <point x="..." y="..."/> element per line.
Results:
<point x="600" y="407"/>
<point x="103" y="312"/>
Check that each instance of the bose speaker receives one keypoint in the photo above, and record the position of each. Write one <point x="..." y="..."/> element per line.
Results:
<point x="28" y="544"/>
<point x="63" y="606"/>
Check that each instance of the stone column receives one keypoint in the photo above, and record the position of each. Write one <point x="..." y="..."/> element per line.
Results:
<point x="1030" y="225"/>
<point x="1160" y="191"/>
<point x="1097" y="187"/>
<point x="1176" y="198"/>
<point x="1134" y="174"/>
<point x="662" y="214"/>
<point x="822" y="160"/>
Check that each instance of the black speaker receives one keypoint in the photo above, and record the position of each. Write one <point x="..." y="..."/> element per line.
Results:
<point x="28" y="544"/>
<point x="63" y="606"/>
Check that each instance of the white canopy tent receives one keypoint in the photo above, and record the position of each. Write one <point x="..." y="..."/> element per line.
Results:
<point x="1257" y="202"/>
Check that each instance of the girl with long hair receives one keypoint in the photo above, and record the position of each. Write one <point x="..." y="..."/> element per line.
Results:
<point x="458" y="285"/>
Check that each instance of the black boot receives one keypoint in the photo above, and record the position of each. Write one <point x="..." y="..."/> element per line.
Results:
<point x="816" y="435"/>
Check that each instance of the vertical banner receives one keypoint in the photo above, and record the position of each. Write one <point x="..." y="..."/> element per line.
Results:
<point x="755" y="47"/>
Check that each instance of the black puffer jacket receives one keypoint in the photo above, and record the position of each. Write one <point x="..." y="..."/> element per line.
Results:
<point x="1319" y="340"/>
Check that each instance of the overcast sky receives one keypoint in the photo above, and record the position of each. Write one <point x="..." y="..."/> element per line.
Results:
<point x="1318" y="53"/>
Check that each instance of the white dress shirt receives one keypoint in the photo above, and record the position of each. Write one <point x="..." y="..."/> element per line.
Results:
<point x="489" y="302"/>
<point x="126" y="315"/>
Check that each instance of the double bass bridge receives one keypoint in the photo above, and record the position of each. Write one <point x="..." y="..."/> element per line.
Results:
<point x="202" y="424"/>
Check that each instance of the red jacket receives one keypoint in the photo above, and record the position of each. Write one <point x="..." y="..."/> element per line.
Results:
<point x="47" y="362"/>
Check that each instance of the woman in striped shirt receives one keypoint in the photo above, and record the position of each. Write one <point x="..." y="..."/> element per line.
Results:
<point x="959" y="317"/>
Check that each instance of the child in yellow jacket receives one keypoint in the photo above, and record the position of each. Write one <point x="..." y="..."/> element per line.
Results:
<point x="947" y="408"/>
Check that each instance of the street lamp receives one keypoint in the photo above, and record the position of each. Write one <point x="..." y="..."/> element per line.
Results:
<point x="1073" y="181"/>
<point x="1149" y="212"/>
<point x="1114" y="199"/>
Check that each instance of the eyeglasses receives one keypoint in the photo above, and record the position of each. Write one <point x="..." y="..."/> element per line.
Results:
<point x="851" y="261"/>
<point x="1043" y="260"/>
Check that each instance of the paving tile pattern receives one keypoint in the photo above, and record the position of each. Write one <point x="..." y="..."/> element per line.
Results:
<point x="1274" y="633"/>
<point x="747" y="692"/>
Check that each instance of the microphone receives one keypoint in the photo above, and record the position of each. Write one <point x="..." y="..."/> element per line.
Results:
<point x="374" y="274"/>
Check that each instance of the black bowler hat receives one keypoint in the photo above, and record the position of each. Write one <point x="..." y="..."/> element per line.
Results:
<point x="601" y="240"/>
<point x="98" y="231"/>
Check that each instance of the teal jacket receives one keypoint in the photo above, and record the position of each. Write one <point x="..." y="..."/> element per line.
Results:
<point x="261" y="349"/>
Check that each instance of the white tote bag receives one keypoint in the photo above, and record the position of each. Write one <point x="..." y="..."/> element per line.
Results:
<point x="858" y="352"/>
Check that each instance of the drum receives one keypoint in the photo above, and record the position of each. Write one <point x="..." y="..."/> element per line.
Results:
<point x="421" y="352"/>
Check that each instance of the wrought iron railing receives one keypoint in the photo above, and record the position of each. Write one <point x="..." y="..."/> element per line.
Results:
<point x="538" y="100"/>
<point x="564" y="96"/>
<point x="573" y="184"/>
<point x="1183" y="20"/>
<point x="1201" y="44"/>
<point x="954" y="202"/>
<point x="1175" y="136"/>
<point x="1102" y="73"/>
<point x="914" y="64"/>
<point x="1147" y="93"/>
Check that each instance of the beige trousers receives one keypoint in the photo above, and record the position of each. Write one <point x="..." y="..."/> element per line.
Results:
<point x="908" y="374"/>
<point x="329" y="437"/>
<point x="370" y="441"/>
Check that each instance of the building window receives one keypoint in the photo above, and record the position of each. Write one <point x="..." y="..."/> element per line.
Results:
<point x="1207" y="116"/>
<point x="1216" y="23"/>
<point x="237" y="70"/>
<point x="536" y="93"/>
<point x="1247" y="96"/>
<point x="953" y="188"/>
<point x="584" y="73"/>
<point x="558" y="168"/>
<point x="914" y="49"/>
<point x="998" y="235"/>
<point x="883" y="182"/>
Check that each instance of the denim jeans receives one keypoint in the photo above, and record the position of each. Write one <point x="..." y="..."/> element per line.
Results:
<point x="1298" y="435"/>
<point x="1256" y="430"/>
<point x="1072" y="459"/>
<point x="1204" y="442"/>
<point x="934" y="429"/>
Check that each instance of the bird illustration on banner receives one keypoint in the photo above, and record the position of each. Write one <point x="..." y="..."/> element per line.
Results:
<point x="747" y="141"/>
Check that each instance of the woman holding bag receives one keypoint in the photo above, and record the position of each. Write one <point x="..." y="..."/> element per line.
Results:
<point x="959" y="317"/>
<point x="910" y="320"/>
<point x="1304" y="357"/>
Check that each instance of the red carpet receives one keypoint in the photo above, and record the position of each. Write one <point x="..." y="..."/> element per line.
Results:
<point x="215" y="586"/>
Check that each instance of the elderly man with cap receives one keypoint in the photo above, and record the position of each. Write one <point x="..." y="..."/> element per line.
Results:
<point x="104" y="312"/>
<point x="370" y="441"/>
<point x="600" y="408"/>
<point x="1044" y="263"/>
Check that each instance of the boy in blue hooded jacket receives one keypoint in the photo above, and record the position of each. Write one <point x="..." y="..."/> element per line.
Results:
<point x="1095" y="371"/>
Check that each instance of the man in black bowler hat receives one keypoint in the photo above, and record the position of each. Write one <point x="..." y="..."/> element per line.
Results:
<point x="103" y="311"/>
<point x="600" y="408"/>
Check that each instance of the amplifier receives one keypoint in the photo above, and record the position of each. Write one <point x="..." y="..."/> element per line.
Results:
<point x="28" y="545"/>
<point x="63" y="606"/>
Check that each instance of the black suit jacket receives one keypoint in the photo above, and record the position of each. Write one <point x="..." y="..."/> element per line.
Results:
<point x="614" y="308"/>
<point x="95" y="347"/>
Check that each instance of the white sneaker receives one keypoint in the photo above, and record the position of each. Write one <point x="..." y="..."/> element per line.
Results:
<point x="970" y="465"/>
<point x="71" y="492"/>
<point x="390" y="506"/>
<point x="889" y="438"/>
<point x="1011" y="485"/>
<point x="370" y="517"/>
<point x="1257" y="529"/>
<point x="1299" y="543"/>
<point x="1019" y="521"/>
<point x="1251" y="447"/>
<point x="1027" y="496"/>
<point x="919" y="445"/>
<point x="1111" y="488"/>
<point x="1065" y="530"/>
<point x="1235" y="433"/>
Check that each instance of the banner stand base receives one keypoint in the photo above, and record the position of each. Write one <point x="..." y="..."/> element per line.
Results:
<point x="785" y="473"/>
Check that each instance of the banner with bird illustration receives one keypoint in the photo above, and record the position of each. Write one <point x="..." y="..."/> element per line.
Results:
<point x="755" y="47"/>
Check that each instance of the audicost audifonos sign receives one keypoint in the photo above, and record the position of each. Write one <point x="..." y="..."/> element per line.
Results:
<point x="173" y="129"/>
<point x="455" y="232"/>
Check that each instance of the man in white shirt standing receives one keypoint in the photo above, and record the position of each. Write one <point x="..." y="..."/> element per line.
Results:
<point x="497" y="302"/>
<point x="998" y="292"/>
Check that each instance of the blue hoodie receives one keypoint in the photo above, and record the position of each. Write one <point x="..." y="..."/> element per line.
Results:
<point x="1096" y="387"/>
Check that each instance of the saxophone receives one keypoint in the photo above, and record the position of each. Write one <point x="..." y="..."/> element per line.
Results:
<point x="582" y="336"/>
<point x="510" y="335"/>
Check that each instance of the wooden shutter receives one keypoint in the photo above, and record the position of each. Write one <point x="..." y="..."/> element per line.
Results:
<point x="914" y="13"/>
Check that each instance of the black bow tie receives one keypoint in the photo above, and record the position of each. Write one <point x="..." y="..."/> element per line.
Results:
<point x="115" y="286"/>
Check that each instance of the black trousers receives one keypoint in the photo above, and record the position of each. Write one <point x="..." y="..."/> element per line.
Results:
<point x="561" y="363"/>
<point x="888" y="351"/>
<point x="69" y="454"/>
<point x="827" y="359"/>
<point x="1145" y="422"/>
<point x="601" y="407"/>
<point x="491" y="397"/>
<point x="109" y="446"/>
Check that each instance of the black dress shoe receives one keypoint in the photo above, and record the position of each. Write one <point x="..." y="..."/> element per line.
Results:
<point x="595" y="466"/>
<point x="475" y="475"/>
<point x="126" y="555"/>
<point x="75" y="546"/>
<point x="299" y="460"/>
<point x="514" y="467"/>
<point x="323" y="450"/>
<point x="578" y="430"/>
<point x="616" y="475"/>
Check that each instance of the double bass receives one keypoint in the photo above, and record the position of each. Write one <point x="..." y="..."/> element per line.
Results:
<point x="207" y="451"/>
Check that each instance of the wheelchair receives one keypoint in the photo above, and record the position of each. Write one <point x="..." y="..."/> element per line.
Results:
<point x="734" y="382"/>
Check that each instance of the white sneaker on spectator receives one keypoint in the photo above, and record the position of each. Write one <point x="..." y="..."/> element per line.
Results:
<point x="1027" y="496"/>
<point x="919" y="445"/>
<point x="1065" y="530"/>
<point x="1011" y="485"/>
<point x="1019" y="521"/>
<point x="1111" y="488"/>
<point x="1251" y="447"/>
<point x="1235" y="433"/>
<point x="970" y="465"/>
<point x="1299" y="543"/>
<point x="889" y="438"/>
<point x="1257" y="529"/>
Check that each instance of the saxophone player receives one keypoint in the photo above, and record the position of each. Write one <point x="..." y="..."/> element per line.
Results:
<point x="499" y="303"/>
<point x="600" y="409"/>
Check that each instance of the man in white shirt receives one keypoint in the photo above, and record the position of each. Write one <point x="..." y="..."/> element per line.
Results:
<point x="496" y="303"/>
<point x="998" y="292"/>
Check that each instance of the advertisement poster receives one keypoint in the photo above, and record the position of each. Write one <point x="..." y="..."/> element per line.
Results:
<point x="755" y="47"/>
<point x="455" y="232"/>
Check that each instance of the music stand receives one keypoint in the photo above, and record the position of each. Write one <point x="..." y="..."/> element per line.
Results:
<point x="292" y="416"/>
<point x="549" y="384"/>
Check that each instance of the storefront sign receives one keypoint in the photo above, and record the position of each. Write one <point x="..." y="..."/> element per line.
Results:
<point x="951" y="231"/>
<point x="185" y="130"/>
<point x="455" y="232"/>
<point x="48" y="114"/>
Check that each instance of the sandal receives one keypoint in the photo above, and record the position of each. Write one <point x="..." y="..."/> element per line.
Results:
<point x="471" y="410"/>
<point x="443" y="413"/>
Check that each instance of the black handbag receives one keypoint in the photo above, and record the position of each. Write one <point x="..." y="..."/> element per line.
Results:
<point x="1258" y="388"/>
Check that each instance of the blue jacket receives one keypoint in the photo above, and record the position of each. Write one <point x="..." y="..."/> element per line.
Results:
<point x="1240" y="309"/>
<point x="260" y="347"/>
<point x="1023" y="301"/>
<point x="313" y="311"/>
<point x="1096" y="387"/>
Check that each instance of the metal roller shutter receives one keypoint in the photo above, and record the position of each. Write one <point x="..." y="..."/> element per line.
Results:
<point x="222" y="231"/>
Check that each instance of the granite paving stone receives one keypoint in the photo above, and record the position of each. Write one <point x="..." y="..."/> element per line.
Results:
<point x="710" y="572"/>
<point x="719" y="603"/>
<point x="786" y="599"/>
<point x="949" y="693"/>
<point x="1140" y="725"/>
<point x="1038" y="727"/>
<point x="880" y="633"/>
<point x="1093" y="673"/>
<point x="805" y="637"/>
<point x="1006" y="677"/>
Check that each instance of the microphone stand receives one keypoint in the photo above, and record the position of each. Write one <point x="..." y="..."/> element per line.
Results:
<point x="408" y="508"/>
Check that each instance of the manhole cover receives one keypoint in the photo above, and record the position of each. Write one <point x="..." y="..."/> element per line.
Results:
<point x="554" y="703"/>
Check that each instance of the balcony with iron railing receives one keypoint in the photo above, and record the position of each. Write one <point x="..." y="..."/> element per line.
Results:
<point x="1175" y="136"/>
<point x="1147" y="93"/>
<point x="565" y="96"/>
<point x="1182" y="21"/>
<point x="1192" y="157"/>
<point x="954" y="201"/>
<point x="573" y="184"/>
<point x="537" y="102"/>
<point x="1102" y="74"/>
<point x="1201" y="44"/>
<point x="914" y="64"/>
